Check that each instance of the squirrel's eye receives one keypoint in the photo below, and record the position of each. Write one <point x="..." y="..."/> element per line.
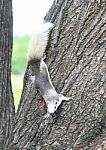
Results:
<point x="55" y="107"/>
<point x="56" y="102"/>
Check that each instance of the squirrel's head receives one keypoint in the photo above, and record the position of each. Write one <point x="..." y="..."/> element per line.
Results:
<point x="55" y="102"/>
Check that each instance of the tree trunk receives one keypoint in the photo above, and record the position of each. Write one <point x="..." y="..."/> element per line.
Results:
<point x="76" y="58"/>
<point x="6" y="99"/>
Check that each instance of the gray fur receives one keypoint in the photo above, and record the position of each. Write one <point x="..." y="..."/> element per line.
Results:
<point x="43" y="83"/>
<point x="42" y="79"/>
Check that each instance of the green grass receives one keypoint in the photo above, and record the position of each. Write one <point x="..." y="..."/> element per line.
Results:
<point x="17" y="84"/>
<point x="19" y="55"/>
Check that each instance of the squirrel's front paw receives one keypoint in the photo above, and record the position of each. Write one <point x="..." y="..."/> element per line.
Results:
<point x="48" y="116"/>
<point x="32" y="78"/>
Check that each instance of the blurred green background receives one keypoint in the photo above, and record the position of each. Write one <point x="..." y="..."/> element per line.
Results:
<point x="19" y="62"/>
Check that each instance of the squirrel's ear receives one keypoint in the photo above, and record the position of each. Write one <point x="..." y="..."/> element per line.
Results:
<point x="64" y="98"/>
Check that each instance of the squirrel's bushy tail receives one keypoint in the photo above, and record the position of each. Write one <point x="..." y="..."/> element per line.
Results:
<point x="39" y="41"/>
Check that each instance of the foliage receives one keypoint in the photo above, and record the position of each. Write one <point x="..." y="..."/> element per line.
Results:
<point x="19" y="60"/>
<point x="17" y="84"/>
<point x="19" y="56"/>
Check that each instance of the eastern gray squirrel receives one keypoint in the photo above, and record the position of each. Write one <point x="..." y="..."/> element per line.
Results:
<point x="41" y="78"/>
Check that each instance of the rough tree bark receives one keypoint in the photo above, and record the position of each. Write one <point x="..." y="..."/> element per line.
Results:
<point x="7" y="110"/>
<point x="76" y="58"/>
